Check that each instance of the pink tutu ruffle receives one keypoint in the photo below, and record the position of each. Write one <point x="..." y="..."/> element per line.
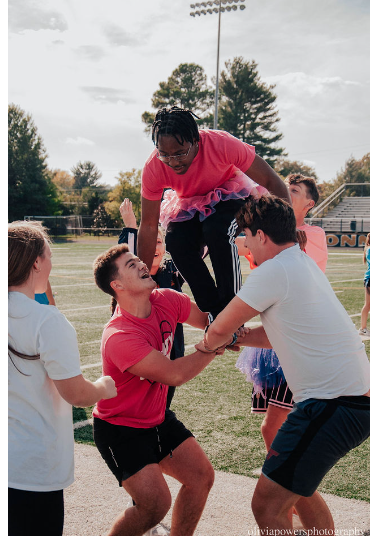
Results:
<point x="174" y="208"/>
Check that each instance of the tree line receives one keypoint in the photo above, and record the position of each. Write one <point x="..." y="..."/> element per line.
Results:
<point x="247" y="109"/>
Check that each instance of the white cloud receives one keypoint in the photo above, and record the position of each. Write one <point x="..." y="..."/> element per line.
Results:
<point x="300" y="82"/>
<point x="117" y="36"/>
<point x="32" y="15"/>
<point x="79" y="141"/>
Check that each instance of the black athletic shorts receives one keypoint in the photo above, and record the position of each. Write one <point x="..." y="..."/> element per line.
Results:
<point x="279" y="395"/>
<point x="127" y="450"/>
<point x="315" y="435"/>
<point x="35" y="513"/>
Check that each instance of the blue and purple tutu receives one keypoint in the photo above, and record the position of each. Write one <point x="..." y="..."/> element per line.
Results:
<point x="261" y="367"/>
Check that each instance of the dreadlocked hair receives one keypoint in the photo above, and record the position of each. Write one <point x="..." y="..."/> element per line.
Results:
<point x="176" y="122"/>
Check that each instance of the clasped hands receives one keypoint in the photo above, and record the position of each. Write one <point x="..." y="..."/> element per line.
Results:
<point x="232" y="343"/>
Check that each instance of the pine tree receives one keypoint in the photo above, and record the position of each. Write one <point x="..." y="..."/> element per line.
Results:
<point x="101" y="220"/>
<point x="247" y="108"/>
<point x="30" y="189"/>
<point x="85" y="174"/>
<point x="186" y="87"/>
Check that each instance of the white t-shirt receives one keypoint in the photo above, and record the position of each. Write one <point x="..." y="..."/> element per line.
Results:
<point x="321" y="353"/>
<point x="40" y="434"/>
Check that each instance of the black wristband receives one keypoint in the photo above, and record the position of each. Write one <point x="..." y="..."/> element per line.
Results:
<point x="235" y="337"/>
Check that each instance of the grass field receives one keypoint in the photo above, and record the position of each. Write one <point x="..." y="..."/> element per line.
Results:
<point x="216" y="404"/>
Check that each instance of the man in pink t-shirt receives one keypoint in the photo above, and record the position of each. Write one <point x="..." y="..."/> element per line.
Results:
<point x="139" y="438"/>
<point x="206" y="171"/>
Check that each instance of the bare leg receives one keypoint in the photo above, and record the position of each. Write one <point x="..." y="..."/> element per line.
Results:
<point x="271" y="504"/>
<point x="152" y="499"/>
<point x="314" y="507"/>
<point x="191" y="467"/>
<point x="273" y="420"/>
<point x="365" y="309"/>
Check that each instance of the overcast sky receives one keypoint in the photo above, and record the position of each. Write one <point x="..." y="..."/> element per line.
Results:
<point x="86" y="70"/>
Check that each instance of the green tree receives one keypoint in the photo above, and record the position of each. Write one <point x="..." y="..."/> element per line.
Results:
<point x="101" y="220"/>
<point x="88" y="193"/>
<point x="85" y="174"/>
<point x="129" y="184"/>
<point x="30" y="189"/>
<point x="247" y="108"/>
<point x="284" y="167"/>
<point x="186" y="87"/>
<point x="354" y="171"/>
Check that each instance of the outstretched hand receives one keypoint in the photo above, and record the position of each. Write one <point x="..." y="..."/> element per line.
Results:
<point x="127" y="214"/>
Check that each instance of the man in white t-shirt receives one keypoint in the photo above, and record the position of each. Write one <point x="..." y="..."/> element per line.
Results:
<point x="322" y="356"/>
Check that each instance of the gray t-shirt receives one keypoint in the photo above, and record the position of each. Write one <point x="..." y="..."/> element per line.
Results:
<point x="321" y="353"/>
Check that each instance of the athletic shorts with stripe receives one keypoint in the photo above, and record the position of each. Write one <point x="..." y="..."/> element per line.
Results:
<point x="279" y="395"/>
<point x="317" y="433"/>
<point x="127" y="450"/>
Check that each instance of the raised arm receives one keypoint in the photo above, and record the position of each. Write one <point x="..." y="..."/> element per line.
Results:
<point x="81" y="392"/>
<point x="263" y="174"/>
<point x="148" y="230"/>
<point x="127" y="214"/>
<point x="129" y="233"/>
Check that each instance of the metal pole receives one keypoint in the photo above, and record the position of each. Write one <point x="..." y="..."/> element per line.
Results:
<point x="217" y="73"/>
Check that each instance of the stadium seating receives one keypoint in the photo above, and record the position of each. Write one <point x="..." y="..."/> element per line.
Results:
<point x="350" y="215"/>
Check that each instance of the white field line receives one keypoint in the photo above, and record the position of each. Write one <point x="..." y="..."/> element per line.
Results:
<point x="346" y="254"/>
<point x="81" y="424"/>
<point x="64" y="311"/>
<point x="73" y="285"/>
<point x="67" y="264"/>
<point x="92" y="365"/>
<point x="345" y="268"/>
<point x="357" y="314"/>
<point x="345" y="281"/>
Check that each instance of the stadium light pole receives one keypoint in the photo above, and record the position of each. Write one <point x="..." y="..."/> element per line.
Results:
<point x="222" y="6"/>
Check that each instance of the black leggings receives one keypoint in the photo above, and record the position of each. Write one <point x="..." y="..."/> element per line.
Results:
<point x="35" y="513"/>
<point x="184" y="241"/>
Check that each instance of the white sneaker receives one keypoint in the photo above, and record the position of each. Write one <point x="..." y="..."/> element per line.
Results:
<point x="364" y="332"/>
<point x="158" y="530"/>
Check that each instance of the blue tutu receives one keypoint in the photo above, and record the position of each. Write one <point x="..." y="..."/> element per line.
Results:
<point x="261" y="367"/>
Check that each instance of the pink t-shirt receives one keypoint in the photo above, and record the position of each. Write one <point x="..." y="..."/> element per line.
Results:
<point x="316" y="246"/>
<point x="126" y="340"/>
<point x="218" y="156"/>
